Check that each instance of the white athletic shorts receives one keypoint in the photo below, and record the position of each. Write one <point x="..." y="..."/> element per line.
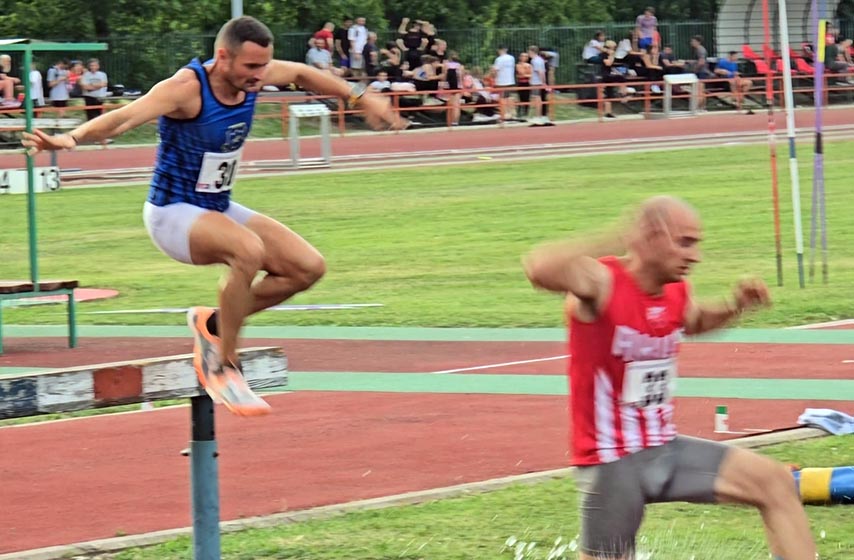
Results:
<point x="169" y="226"/>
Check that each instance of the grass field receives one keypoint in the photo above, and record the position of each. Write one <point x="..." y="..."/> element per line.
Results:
<point x="441" y="246"/>
<point x="502" y="525"/>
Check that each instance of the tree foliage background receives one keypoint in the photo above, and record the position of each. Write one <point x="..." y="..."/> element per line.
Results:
<point x="84" y="19"/>
<point x="149" y="39"/>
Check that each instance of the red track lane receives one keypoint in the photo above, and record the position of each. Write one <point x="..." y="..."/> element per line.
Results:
<point x="778" y="361"/>
<point x="462" y="139"/>
<point x="98" y="477"/>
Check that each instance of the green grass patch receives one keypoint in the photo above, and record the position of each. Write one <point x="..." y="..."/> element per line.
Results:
<point x="501" y="525"/>
<point x="440" y="246"/>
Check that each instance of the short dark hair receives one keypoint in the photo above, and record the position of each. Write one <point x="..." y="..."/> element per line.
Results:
<point x="241" y="30"/>
<point x="733" y="52"/>
<point x="698" y="38"/>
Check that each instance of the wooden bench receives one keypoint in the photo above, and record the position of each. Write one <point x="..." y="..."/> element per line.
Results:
<point x="21" y="289"/>
<point x="141" y="381"/>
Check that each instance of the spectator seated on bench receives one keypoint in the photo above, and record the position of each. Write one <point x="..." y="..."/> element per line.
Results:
<point x="475" y="93"/>
<point x="594" y="50"/>
<point x="612" y="73"/>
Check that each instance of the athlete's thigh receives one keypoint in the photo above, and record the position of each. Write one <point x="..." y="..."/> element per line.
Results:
<point x="612" y="507"/>
<point x="216" y="238"/>
<point x="285" y="251"/>
<point x="693" y="465"/>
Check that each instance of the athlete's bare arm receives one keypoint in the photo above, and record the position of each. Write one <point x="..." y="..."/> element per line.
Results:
<point x="748" y="294"/>
<point x="568" y="267"/>
<point x="378" y="111"/>
<point x="176" y="96"/>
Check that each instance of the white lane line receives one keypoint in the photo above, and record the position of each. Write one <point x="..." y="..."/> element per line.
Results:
<point x="839" y="323"/>
<point x="502" y="364"/>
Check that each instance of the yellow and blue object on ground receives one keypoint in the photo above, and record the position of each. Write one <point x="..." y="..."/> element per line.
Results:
<point x="826" y="485"/>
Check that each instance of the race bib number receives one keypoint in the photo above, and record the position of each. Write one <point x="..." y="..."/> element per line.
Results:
<point x="218" y="172"/>
<point x="649" y="382"/>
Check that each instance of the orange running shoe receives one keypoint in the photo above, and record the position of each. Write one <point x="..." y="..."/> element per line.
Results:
<point x="229" y="387"/>
<point x="224" y="383"/>
<point x="206" y="358"/>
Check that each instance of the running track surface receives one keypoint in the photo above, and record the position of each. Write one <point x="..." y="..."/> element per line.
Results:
<point x="102" y="476"/>
<point x="466" y="138"/>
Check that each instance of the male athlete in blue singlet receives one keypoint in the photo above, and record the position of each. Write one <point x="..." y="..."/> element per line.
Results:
<point x="205" y="114"/>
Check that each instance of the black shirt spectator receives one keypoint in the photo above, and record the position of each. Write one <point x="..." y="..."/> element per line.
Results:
<point x="371" y="55"/>
<point x="413" y="44"/>
<point x="342" y="42"/>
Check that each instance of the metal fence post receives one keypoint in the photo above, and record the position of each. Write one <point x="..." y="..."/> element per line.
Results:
<point x="204" y="480"/>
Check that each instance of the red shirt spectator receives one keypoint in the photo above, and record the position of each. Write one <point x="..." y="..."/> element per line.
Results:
<point x="326" y="35"/>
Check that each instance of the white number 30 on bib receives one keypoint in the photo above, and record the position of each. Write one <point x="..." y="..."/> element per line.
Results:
<point x="649" y="382"/>
<point x="218" y="172"/>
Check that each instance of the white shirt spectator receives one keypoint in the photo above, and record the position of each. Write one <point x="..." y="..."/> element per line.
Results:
<point x="591" y="49"/>
<point x="358" y="35"/>
<point x="624" y="47"/>
<point x="59" y="92"/>
<point x="505" y="70"/>
<point x="554" y="61"/>
<point x="538" y="65"/>
<point x="36" y="88"/>
<point x="89" y="78"/>
<point x="319" y="58"/>
<point x="380" y="85"/>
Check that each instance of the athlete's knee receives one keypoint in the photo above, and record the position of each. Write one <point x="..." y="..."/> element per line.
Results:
<point x="311" y="270"/>
<point x="779" y="489"/>
<point x="248" y="257"/>
<point x="771" y="486"/>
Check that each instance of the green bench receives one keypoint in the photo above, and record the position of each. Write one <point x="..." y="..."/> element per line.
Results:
<point x="21" y="289"/>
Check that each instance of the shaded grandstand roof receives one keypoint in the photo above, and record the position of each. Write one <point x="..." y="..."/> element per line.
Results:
<point x="20" y="45"/>
<point x="739" y="22"/>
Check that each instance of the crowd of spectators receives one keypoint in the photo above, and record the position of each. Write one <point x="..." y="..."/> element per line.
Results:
<point x="639" y="55"/>
<point x="63" y="81"/>
<point x="422" y="68"/>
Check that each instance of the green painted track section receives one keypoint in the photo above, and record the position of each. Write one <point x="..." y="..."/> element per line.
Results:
<point x="16" y="370"/>
<point x="506" y="384"/>
<point x="758" y="336"/>
<point x="545" y="385"/>
<point x="510" y="384"/>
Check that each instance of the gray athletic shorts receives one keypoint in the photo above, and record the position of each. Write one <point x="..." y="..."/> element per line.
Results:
<point x="169" y="226"/>
<point x="613" y="495"/>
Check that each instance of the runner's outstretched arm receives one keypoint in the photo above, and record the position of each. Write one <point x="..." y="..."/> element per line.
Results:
<point x="163" y="99"/>
<point x="378" y="111"/>
<point x="748" y="294"/>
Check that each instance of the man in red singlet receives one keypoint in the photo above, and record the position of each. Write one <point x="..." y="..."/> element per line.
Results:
<point x="627" y="317"/>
